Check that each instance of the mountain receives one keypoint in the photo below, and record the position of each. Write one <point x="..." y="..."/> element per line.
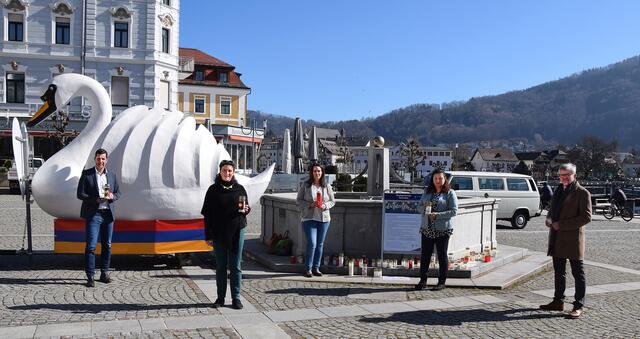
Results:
<point x="602" y="101"/>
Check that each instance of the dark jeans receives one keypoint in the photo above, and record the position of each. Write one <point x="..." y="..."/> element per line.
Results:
<point x="226" y="259"/>
<point x="577" y="270"/>
<point x="100" y="225"/>
<point x="441" y="244"/>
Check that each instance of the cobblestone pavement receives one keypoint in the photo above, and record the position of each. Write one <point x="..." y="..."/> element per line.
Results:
<point x="186" y="334"/>
<point x="608" y="316"/>
<point x="49" y="291"/>
<point x="613" y="242"/>
<point x="42" y="295"/>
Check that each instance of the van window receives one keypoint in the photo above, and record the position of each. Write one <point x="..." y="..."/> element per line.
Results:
<point x="517" y="184"/>
<point x="533" y="185"/>
<point x="462" y="183"/>
<point x="495" y="184"/>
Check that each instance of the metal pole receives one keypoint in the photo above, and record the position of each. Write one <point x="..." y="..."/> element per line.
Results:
<point x="28" y="218"/>
<point x="253" y="147"/>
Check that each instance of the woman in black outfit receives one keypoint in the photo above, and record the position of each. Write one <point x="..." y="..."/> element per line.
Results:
<point x="224" y="223"/>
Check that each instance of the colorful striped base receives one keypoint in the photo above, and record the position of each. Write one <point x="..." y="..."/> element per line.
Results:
<point x="136" y="237"/>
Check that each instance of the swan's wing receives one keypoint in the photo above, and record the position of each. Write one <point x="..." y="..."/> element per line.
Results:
<point x="257" y="185"/>
<point x="115" y="137"/>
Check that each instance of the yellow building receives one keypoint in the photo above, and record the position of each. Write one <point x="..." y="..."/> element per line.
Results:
<point x="212" y="91"/>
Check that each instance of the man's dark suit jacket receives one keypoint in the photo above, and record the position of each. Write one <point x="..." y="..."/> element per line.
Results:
<point x="88" y="192"/>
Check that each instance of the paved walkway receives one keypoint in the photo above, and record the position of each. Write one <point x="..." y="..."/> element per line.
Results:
<point x="253" y="323"/>
<point x="149" y="299"/>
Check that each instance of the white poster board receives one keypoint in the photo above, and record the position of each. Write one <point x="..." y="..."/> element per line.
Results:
<point x="401" y="223"/>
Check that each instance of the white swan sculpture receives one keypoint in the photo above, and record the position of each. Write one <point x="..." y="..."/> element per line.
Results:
<point x="163" y="163"/>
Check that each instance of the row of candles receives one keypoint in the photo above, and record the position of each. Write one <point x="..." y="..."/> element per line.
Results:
<point x="469" y="259"/>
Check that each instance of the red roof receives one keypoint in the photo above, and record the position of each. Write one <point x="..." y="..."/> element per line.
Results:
<point x="208" y="64"/>
<point x="202" y="58"/>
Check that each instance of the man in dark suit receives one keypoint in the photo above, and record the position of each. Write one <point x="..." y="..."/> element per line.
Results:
<point x="569" y="213"/>
<point x="98" y="190"/>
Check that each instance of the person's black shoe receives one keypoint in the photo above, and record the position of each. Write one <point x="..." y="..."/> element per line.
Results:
<point x="308" y="274"/>
<point x="421" y="285"/>
<point x="90" y="283"/>
<point x="553" y="306"/>
<point x="439" y="287"/>
<point x="237" y="304"/>
<point x="105" y="278"/>
<point x="218" y="303"/>
<point x="316" y="272"/>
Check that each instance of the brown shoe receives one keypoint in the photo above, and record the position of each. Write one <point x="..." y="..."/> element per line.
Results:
<point x="316" y="272"/>
<point x="308" y="274"/>
<point x="553" y="306"/>
<point x="576" y="313"/>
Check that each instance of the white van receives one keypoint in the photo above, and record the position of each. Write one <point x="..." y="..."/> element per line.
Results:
<point x="518" y="194"/>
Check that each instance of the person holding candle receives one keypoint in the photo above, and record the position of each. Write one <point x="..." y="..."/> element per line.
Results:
<point x="98" y="190"/>
<point x="225" y="210"/>
<point x="314" y="199"/>
<point x="440" y="204"/>
<point x="569" y="213"/>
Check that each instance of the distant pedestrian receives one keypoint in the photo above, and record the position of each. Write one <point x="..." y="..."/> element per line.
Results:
<point x="225" y="210"/>
<point x="98" y="190"/>
<point x="570" y="212"/>
<point x="440" y="204"/>
<point x="546" y="194"/>
<point x="314" y="199"/>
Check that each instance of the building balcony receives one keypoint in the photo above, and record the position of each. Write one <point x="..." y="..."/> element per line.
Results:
<point x="185" y="67"/>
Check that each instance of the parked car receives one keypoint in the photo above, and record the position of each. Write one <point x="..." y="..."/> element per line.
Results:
<point x="12" y="175"/>
<point x="518" y="193"/>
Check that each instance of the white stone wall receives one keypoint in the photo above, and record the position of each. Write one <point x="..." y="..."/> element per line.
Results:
<point x="143" y="61"/>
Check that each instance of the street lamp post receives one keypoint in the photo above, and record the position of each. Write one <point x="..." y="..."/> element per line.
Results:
<point x="253" y="132"/>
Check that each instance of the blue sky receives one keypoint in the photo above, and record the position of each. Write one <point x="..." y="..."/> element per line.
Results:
<point x="349" y="59"/>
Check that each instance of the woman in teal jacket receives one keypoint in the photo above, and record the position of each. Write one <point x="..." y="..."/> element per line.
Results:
<point x="440" y="205"/>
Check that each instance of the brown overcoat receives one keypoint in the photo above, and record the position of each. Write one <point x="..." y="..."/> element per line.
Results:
<point x="568" y="242"/>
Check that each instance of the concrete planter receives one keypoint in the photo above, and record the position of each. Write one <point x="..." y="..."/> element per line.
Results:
<point x="356" y="225"/>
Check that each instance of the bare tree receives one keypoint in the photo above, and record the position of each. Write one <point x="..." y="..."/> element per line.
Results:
<point x="411" y="154"/>
<point x="590" y="153"/>
<point x="59" y="122"/>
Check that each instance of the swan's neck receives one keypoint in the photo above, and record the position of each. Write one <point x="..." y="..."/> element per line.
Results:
<point x="77" y="152"/>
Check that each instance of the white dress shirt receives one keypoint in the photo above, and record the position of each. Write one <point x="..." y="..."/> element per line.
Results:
<point x="102" y="180"/>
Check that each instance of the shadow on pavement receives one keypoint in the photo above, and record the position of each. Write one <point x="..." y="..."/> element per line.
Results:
<point x="23" y="262"/>
<point x="100" y="307"/>
<point x="43" y="281"/>
<point x="456" y="318"/>
<point x="334" y="291"/>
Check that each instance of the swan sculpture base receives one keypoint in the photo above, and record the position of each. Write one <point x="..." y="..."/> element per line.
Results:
<point x="136" y="236"/>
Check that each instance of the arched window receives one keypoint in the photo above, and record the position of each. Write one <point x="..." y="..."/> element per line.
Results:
<point x="121" y="23"/>
<point x="15" y="25"/>
<point x="62" y="22"/>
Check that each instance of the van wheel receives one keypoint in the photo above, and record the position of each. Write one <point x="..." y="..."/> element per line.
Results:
<point x="519" y="219"/>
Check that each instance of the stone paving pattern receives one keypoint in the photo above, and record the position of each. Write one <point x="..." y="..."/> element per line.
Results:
<point x="43" y="295"/>
<point x="49" y="291"/>
<point x="607" y="316"/>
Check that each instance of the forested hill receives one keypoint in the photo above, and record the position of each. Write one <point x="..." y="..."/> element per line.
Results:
<point x="602" y="101"/>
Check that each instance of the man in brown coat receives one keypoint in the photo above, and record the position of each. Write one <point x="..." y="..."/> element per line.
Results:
<point x="570" y="211"/>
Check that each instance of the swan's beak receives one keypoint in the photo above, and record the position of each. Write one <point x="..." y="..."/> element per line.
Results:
<point x="47" y="108"/>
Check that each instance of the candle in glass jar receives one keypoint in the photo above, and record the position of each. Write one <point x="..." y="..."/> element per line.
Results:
<point x="242" y="201"/>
